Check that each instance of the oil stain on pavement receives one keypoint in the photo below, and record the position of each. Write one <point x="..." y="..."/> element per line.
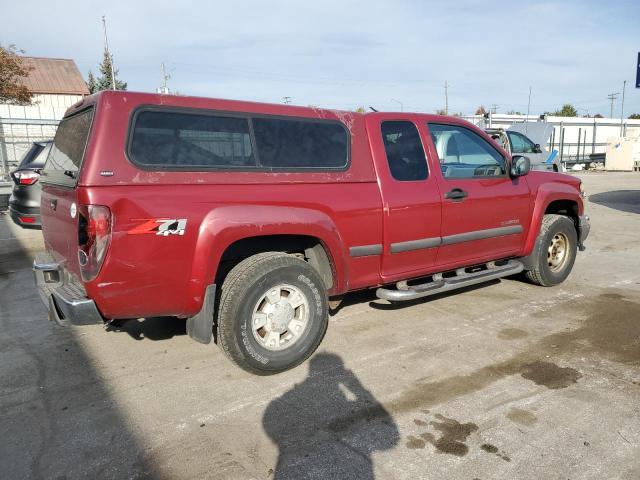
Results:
<point x="611" y="330"/>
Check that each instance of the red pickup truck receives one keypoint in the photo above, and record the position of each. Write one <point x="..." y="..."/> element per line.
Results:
<point x="248" y="219"/>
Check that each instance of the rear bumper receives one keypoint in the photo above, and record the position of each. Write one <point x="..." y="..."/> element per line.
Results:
<point x="584" y="227"/>
<point x="64" y="297"/>
<point x="25" y="220"/>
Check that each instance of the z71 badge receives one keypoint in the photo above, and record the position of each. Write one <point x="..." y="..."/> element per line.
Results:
<point x="160" y="226"/>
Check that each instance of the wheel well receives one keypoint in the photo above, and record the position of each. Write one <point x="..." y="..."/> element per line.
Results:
<point x="310" y="249"/>
<point x="568" y="208"/>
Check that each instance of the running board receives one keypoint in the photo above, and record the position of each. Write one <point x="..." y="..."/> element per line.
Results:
<point x="441" y="284"/>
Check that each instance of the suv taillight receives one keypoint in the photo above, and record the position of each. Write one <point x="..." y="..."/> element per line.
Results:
<point x="94" y="235"/>
<point x="25" y="177"/>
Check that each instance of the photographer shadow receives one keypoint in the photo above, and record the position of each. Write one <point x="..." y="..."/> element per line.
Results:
<point x="329" y="425"/>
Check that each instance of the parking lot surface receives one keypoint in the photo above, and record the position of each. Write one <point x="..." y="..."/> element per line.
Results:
<point x="506" y="380"/>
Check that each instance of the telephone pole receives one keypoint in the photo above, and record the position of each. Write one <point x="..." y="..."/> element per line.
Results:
<point x="446" y="98"/>
<point x="106" y="49"/>
<point x="612" y="97"/>
<point x="528" y="110"/>
<point x="624" y="86"/>
<point x="494" y="108"/>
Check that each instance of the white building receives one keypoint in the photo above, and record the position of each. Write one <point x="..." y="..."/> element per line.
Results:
<point x="56" y="84"/>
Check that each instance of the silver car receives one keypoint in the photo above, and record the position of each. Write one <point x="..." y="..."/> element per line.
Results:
<point x="514" y="141"/>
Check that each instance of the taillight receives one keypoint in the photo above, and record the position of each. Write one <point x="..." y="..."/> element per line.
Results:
<point x="25" y="177"/>
<point x="94" y="235"/>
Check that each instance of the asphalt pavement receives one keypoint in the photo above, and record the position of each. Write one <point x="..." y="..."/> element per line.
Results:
<point x="502" y="381"/>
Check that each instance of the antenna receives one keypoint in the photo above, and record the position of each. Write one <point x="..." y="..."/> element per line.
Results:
<point x="165" y="77"/>
<point x="106" y="49"/>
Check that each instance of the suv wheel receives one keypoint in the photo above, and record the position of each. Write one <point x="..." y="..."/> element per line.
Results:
<point x="273" y="313"/>
<point x="554" y="252"/>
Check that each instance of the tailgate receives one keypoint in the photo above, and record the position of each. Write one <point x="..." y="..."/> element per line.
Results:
<point x="58" y="206"/>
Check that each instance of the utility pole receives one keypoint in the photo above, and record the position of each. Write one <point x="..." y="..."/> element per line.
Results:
<point x="494" y="108"/>
<point x="612" y="97"/>
<point x="526" y="122"/>
<point x="446" y="98"/>
<point x="624" y="86"/>
<point x="165" y="77"/>
<point x="106" y="49"/>
<point x="286" y="100"/>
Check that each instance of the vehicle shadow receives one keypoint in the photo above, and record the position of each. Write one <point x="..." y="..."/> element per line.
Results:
<point x="58" y="419"/>
<point x="329" y="425"/>
<point x="152" y="328"/>
<point x="623" y="200"/>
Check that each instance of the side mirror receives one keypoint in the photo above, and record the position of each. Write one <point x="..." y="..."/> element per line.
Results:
<point x="520" y="165"/>
<point x="536" y="148"/>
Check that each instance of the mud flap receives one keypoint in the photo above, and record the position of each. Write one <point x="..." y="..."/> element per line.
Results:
<point x="200" y="326"/>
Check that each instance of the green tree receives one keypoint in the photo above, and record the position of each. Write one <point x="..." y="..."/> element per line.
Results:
<point x="12" y="71"/>
<point x="567" y="110"/>
<point x="104" y="80"/>
<point x="441" y="111"/>
<point x="634" y="116"/>
<point x="360" y="109"/>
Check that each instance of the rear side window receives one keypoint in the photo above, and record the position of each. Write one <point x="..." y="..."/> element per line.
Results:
<point x="294" y="144"/>
<point x="165" y="139"/>
<point x="405" y="155"/>
<point x="67" y="152"/>
<point x="183" y="140"/>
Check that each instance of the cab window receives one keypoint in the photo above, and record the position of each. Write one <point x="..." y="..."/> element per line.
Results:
<point x="465" y="154"/>
<point x="520" y="143"/>
<point x="405" y="154"/>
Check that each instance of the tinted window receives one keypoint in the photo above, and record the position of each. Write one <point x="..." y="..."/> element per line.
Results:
<point x="191" y="140"/>
<point x="65" y="157"/>
<point x="465" y="154"/>
<point x="405" y="155"/>
<point x="520" y="143"/>
<point x="301" y="144"/>
<point x="30" y="155"/>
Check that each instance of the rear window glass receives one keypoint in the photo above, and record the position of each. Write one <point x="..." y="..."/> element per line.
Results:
<point x="65" y="157"/>
<point x="301" y="144"/>
<point x="178" y="140"/>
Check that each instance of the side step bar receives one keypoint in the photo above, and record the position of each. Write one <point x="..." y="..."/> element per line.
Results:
<point x="441" y="284"/>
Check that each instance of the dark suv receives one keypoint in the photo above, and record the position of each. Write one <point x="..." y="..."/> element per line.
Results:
<point x="24" y="204"/>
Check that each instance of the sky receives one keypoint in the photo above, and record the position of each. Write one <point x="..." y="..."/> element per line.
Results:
<point x="391" y="55"/>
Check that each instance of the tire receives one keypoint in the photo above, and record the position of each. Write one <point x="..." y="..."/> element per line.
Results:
<point x="248" y="300"/>
<point x="549" y="269"/>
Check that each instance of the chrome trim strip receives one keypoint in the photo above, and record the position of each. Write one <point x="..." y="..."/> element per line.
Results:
<point x="411" y="245"/>
<point x="481" y="234"/>
<point x="365" y="250"/>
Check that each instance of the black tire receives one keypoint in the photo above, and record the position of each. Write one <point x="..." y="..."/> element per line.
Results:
<point x="244" y="287"/>
<point x="543" y="273"/>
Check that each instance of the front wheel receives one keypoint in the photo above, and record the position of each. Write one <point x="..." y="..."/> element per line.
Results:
<point x="554" y="252"/>
<point x="273" y="313"/>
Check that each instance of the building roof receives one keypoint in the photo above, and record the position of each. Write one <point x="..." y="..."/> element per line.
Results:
<point x="54" y="76"/>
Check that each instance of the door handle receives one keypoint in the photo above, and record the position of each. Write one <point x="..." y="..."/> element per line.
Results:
<point x="456" y="194"/>
<point x="53" y="203"/>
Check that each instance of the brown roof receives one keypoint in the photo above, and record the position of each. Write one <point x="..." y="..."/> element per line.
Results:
<point x="54" y="75"/>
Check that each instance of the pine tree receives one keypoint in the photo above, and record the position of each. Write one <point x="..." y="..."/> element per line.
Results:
<point x="91" y="83"/>
<point x="104" y="81"/>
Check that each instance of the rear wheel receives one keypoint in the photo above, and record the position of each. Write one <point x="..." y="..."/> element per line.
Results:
<point x="554" y="252"/>
<point x="273" y="313"/>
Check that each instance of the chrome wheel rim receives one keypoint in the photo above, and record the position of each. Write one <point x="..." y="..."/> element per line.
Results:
<point x="558" y="252"/>
<point x="280" y="318"/>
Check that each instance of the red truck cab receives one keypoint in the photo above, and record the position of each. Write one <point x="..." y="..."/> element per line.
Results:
<point x="245" y="218"/>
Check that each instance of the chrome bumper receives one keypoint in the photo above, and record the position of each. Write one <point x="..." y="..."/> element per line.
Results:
<point x="65" y="298"/>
